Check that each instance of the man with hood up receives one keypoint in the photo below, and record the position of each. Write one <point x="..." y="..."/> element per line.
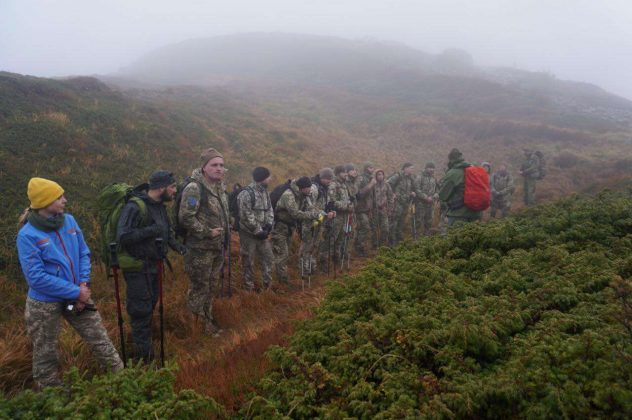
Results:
<point x="452" y="190"/>
<point x="404" y="186"/>
<point x="204" y="215"/>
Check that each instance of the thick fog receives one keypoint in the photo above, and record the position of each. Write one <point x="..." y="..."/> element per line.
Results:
<point x="582" y="40"/>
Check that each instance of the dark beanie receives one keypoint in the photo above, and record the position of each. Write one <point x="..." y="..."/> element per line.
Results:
<point x="430" y="165"/>
<point x="339" y="169"/>
<point x="260" y="174"/>
<point x="455" y="154"/>
<point x="349" y="167"/>
<point x="161" y="179"/>
<point x="303" y="182"/>
<point x="406" y="165"/>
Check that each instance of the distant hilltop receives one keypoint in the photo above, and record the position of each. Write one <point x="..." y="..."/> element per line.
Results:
<point x="371" y="67"/>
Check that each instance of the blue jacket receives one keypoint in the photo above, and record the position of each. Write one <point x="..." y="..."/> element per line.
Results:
<point x="54" y="263"/>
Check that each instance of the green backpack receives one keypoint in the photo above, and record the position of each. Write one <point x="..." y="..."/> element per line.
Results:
<point x="110" y="203"/>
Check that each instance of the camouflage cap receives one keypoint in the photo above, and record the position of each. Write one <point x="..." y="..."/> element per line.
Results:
<point x="349" y="167"/>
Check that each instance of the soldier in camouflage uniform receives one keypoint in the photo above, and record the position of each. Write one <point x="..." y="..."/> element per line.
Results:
<point x="405" y="189"/>
<point x="256" y="219"/>
<point x="311" y="234"/>
<point x="204" y="215"/>
<point x="338" y="195"/>
<point x="55" y="261"/>
<point x="293" y="208"/>
<point x="352" y="187"/>
<point x="365" y="209"/>
<point x="428" y="195"/>
<point x="502" y="188"/>
<point x="384" y="201"/>
<point x="530" y="172"/>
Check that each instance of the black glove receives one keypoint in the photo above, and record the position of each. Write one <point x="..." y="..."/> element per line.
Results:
<point x="262" y="234"/>
<point x="181" y="249"/>
<point x="267" y="228"/>
<point x="352" y="199"/>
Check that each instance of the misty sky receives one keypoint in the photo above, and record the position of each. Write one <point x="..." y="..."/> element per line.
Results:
<point x="583" y="40"/>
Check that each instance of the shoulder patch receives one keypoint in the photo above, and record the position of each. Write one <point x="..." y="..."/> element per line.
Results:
<point x="192" y="202"/>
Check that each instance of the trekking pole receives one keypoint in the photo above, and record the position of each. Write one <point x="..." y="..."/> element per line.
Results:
<point x="230" y="272"/>
<point x="350" y="227"/>
<point x="115" y="267"/>
<point x="161" y="271"/>
<point x="302" y="273"/>
<point x="309" y="271"/>
<point x="221" y="276"/>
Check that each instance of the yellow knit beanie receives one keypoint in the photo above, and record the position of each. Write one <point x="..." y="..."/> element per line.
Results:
<point x="42" y="192"/>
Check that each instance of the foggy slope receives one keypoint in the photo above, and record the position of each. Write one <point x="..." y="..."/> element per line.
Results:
<point x="445" y="82"/>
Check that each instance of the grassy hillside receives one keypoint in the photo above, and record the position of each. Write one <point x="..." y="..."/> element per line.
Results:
<point x="526" y="317"/>
<point x="85" y="135"/>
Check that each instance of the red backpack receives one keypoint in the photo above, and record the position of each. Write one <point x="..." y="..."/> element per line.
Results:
<point x="477" y="195"/>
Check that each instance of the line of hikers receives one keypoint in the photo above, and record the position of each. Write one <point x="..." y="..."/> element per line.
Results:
<point x="336" y="209"/>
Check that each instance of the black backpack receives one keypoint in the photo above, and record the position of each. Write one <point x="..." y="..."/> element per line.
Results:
<point x="278" y="191"/>
<point x="180" y="230"/>
<point x="233" y="204"/>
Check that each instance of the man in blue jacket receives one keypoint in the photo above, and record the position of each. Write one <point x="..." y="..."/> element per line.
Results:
<point x="55" y="261"/>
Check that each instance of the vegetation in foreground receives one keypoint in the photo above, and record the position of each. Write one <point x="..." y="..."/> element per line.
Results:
<point x="525" y="317"/>
<point x="133" y="393"/>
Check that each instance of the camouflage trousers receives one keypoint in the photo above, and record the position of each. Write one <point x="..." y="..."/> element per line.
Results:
<point x="203" y="266"/>
<point x="365" y="231"/>
<point x="529" y="191"/>
<point x="251" y="248"/>
<point x="310" y="244"/>
<point x="281" y="243"/>
<point x="142" y="296"/>
<point x="398" y="221"/>
<point x="503" y="205"/>
<point x="425" y="216"/>
<point x="43" y="323"/>
<point x="333" y="241"/>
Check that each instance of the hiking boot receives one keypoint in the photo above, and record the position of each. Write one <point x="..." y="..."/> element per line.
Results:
<point x="211" y="329"/>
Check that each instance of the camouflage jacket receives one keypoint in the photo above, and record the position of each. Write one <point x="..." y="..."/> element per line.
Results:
<point x="402" y="186"/>
<point x="427" y="187"/>
<point x="252" y="219"/>
<point x="199" y="217"/>
<point x="352" y="187"/>
<point x="502" y="186"/>
<point x="294" y="207"/>
<point x="318" y="197"/>
<point x="339" y="194"/>
<point x="531" y="167"/>
<point x="383" y="194"/>
<point x="365" y="193"/>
